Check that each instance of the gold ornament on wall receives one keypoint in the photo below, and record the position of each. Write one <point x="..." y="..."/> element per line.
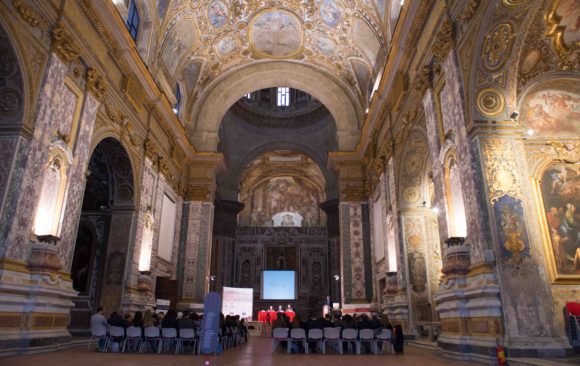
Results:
<point x="497" y="46"/>
<point x="560" y="23"/>
<point x="490" y="102"/>
<point x="63" y="44"/>
<point x="501" y="169"/>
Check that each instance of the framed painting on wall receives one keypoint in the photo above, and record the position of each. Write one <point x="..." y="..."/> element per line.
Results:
<point x="559" y="200"/>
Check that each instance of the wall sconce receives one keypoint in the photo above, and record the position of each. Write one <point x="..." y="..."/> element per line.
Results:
<point x="336" y="277"/>
<point x="211" y="277"/>
<point x="514" y="115"/>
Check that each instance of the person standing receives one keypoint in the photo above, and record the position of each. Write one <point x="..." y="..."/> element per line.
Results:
<point x="99" y="320"/>
<point x="398" y="339"/>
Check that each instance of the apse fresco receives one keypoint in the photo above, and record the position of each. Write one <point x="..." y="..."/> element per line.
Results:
<point x="276" y="34"/>
<point x="560" y="187"/>
<point x="552" y="113"/>
<point x="284" y="194"/>
<point x="177" y="43"/>
<point x="569" y="10"/>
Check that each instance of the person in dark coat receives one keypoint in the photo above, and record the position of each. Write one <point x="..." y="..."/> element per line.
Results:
<point x="398" y="339"/>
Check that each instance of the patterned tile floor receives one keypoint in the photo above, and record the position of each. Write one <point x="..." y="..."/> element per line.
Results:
<point x="256" y="353"/>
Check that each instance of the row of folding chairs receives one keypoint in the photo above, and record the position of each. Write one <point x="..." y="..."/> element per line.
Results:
<point x="158" y="340"/>
<point x="333" y="337"/>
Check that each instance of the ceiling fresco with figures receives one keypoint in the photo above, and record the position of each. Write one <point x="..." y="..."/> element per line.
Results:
<point x="200" y="41"/>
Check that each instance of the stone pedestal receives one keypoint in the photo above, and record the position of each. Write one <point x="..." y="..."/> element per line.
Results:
<point x="35" y="302"/>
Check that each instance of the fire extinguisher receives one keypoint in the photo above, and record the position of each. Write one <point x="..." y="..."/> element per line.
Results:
<point x="500" y="351"/>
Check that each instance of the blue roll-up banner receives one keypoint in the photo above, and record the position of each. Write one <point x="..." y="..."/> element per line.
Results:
<point x="212" y="307"/>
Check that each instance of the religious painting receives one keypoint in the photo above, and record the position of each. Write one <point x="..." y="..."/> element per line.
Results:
<point x="284" y="196"/>
<point x="217" y="13"/>
<point x="279" y="258"/>
<point x="569" y="12"/>
<point x="560" y="187"/>
<point x="226" y="46"/>
<point x="176" y="44"/>
<point x="512" y="231"/>
<point x="325" y="45"/>
<point x="330" y="13"/>
<point x="276" y="34"/>
<point x="553" y="113"/>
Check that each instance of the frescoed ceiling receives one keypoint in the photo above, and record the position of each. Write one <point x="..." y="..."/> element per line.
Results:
<point x="201" y="42"/>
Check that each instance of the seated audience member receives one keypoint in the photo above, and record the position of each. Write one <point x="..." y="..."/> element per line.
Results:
<point x="280" y="322"/>
<point x="326" y="323"/>
<point x="138" y="319"/>
<point x="128" y="319"/>
<point x="169" y="320"/>
<point x="296" y="323"/>
<point x="186" y="322"/>
<point x="364" y="322"/>
<point x="148" y="320"/>
<point x="98" y="319"/>
<point x="115" y="320"/>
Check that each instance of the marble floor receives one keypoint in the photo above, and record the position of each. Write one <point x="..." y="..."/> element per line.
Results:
<point x="256" y="353"/>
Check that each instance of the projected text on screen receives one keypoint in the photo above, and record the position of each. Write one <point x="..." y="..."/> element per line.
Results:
<point x="278" y="285"/>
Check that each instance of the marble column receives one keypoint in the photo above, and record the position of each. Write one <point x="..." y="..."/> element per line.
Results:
<point x="195" y="249"/>
<point x="396" y="297"/>
<point x="331" y="208"/>
<point x="467" y="301"/>
<point x="223" y="243"/>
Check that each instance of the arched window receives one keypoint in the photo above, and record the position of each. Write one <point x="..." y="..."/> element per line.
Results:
<point x="133" y="20"/>
<point x="177" y="106"/>
<point x="283" y="99"/>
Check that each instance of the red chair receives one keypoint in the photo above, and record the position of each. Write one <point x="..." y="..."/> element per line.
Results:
<point x="573" y="321"/>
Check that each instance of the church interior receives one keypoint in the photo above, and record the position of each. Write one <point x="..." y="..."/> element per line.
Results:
<point x="415" y="159"/>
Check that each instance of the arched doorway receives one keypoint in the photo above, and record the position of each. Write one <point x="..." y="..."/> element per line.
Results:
<point x="104" y="234"/>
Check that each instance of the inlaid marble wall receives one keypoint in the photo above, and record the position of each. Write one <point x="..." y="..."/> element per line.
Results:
<point x="76" y="181"/>
<point x="195" y="252"/>
<point x="452" y="110"/>
<point x="353" y="253"/>
<point x="51" y="111"/>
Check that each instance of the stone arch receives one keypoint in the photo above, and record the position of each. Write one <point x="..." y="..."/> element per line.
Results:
<point x="105" y="236"/>
<point x="235" y="172"/>
<point x="13" y="89"/>
<point x="208" y="112"/>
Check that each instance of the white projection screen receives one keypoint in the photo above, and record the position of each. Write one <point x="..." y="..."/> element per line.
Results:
<point x="238" y="301"/>
<point x="167" y="229"/>
<point x="278" y="285"/>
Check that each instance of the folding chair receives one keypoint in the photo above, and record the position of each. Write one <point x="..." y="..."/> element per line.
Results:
<point x="168" y="340"/>
<point x="384" y="335"/>
<point x="186" y="335"/>
<point x="279" y="335"/>
<point x="315" y="335"/>
<point x="150" y="339"/>
<point x="332" y="336"/>
<point x="98" y="332"/>
<point x="349" y="336"/>
<point x="297" y="335"/>
<point x="366" y="336"/>
<point x="116" y="335"/>
<point x="133" y="339"/>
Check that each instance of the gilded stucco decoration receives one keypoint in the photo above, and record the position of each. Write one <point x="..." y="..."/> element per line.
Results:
<point x="30" y="16"/>
<point x="444" y="41"/>
<point x="497" y="46"/>
<point x="562" y="21"/>
<point x="63" y="44"/>
<point x="226" y="35"/>
<point x="501" y="170"/>
<point x="490" y="102"/>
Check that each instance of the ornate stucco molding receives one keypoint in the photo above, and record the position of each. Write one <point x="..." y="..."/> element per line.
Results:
<point x="63" y="44"/>
<point x="95" y="84"/>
